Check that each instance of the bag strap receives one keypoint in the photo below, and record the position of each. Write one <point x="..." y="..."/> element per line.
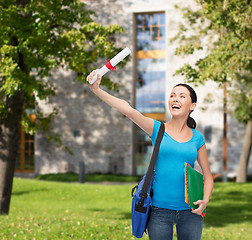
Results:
<point x="153" y="161"/>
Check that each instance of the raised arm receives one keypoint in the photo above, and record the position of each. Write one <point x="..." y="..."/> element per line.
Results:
<point x="143" y="122"/>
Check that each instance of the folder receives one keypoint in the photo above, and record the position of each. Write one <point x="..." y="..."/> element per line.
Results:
<point x="194" y="187"/>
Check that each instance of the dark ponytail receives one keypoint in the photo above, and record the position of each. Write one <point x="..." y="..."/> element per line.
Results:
<point x="190" y="121"/>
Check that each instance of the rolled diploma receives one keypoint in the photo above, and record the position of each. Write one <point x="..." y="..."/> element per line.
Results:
<point x="114" y="61"/>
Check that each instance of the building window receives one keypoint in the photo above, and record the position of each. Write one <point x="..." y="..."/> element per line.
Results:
<point x="25" y="161"/>
<point x="150" y="62"/>
<point x="150" y="31"/>
<point x="150" y="94"/>
<point x="143" y="151"/>
<point x="150" y="74"/>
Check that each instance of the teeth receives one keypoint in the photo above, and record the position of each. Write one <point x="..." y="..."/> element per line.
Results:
<point x="176" y="106"/>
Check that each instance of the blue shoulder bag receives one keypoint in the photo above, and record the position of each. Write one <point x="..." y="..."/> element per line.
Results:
<point x="141" y="201"/>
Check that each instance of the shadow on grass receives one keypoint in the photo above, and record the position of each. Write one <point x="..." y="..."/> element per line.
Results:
<point x="19" y="193"/>
<point x="115" y="213"/>
<point x="126" y="215"/>
<point x="228" y="207"/>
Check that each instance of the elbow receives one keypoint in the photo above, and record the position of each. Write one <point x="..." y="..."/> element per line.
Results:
<point x="128" y="111"/>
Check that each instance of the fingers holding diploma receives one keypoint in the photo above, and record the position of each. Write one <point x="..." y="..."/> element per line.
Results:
<point x="95" y="86"/>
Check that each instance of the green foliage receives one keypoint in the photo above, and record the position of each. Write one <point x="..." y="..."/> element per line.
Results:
<point x="223" y="30"/>
<point x="242" y="99"/>
<point x="50" y="210"/>
<point x="40" y="35"/>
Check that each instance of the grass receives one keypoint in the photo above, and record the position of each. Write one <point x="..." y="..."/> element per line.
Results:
<point x="53" y="210"/>
<point x="74" y="177"/>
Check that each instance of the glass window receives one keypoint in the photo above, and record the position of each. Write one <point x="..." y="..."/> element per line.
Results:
<point x="150" y="80"/>
<point x="150" y="85"/>
<point x="143" y="151"/>
<point x="25" y="161"/>
<point x="150" y="31"/>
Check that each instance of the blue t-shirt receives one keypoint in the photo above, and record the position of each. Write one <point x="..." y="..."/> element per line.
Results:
<point x="169" y="181"/>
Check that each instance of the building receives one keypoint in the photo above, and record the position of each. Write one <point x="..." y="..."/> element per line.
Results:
<point x="103" y="138"/>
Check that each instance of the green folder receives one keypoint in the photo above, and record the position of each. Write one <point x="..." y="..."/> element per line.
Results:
<point x="194" y="187"/>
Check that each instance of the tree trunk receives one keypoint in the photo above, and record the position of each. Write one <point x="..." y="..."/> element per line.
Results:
<point x="10" y="131"/>
<point x="9" y="144"/>
<point x="244" y="158"/>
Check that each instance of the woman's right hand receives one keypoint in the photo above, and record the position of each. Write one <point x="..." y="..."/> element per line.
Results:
<point x="96" y="85"/>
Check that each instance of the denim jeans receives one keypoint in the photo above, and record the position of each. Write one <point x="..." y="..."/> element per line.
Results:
<point x="188" y="225"/>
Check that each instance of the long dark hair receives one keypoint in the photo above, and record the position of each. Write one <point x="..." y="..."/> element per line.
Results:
<point x="190" y="121"/>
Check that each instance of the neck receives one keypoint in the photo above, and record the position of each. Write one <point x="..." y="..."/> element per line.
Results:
<point x="178" y="124"/>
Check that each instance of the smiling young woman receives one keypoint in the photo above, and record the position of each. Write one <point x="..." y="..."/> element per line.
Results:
<point x="181" y="143"/>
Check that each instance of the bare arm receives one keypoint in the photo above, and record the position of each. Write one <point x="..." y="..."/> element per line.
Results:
<point x="143" y="122"/>
<point x="208" y="180"/>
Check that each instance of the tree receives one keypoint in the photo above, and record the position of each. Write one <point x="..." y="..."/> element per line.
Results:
<point x="38" y="36"/>
<point x="243" y="110"/>
<point x="226" y="26"/>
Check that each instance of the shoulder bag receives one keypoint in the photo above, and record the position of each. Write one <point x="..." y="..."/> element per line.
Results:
<point x="141" y="201"/>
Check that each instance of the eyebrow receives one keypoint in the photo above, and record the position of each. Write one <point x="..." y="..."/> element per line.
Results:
<point x="179" y="93"/>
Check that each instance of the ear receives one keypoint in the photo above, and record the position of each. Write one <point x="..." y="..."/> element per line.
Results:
<point x="193" y="106"/>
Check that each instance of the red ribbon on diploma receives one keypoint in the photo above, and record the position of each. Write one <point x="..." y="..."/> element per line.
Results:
<point x="109" y="66"/>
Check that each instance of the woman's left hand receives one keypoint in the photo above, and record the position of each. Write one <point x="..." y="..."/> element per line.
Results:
<point x="202" y="205"/>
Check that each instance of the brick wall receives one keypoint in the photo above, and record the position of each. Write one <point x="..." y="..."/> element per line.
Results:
<point x="101" y="136"/>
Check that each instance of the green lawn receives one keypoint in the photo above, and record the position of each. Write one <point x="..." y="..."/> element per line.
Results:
<point x="52" y="210"/>
<point x="74" y="177"/>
